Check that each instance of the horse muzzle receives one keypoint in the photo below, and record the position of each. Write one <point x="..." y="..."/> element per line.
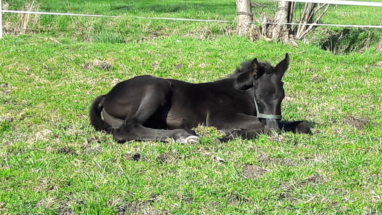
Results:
<point x="269" y="120"/>
<point x="272" y="124"/>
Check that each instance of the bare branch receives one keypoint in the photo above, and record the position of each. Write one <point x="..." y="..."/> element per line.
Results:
<point x="304" y="30"/>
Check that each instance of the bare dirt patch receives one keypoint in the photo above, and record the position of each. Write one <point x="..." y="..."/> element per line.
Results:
<point x="65" y="210"/>
<point x="104" y="65"/>
<point x="187" y="199"/>
<point x="178" y="66"/>
<point x="139" y="207"/>
<point x="265" y="159"/>
<point x="44" y="134"/>
<point x="45" y="184"/>
<point x="290" y="186"/>
<point x="254" y="172"/>
<point x="47" y="202"/>
<point x="356" y="122"/>
<point x="66" y="150"/>
<point x="60" y="207"/>
<point x="155" y="65"/>
<point x="91" y="145"/>
<point x="134" y="156"/>
<point x="311" y="180"/>
<point x="286" y="196"/>
<point x="165" y="158"/>
<point x="317" y="78"/>
<point x="315" y="179"/>
<point x="5" y="88"/>
<point x="234" y="199"/>
<point x="92" y="140"/>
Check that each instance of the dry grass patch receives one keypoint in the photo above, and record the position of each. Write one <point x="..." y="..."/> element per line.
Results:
<point x="254" y="172"/>
<point x="25" y="23"/>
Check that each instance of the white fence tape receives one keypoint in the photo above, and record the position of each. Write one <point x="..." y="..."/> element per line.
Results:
<point x="331" y="25"/>
<point x="338" y="2"/>
<point x="138" y="17"/>
<point x="181" y="19"/>
<point x="51" y="13"/>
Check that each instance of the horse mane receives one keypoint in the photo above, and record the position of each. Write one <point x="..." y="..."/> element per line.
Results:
<point x="246" y="66"/>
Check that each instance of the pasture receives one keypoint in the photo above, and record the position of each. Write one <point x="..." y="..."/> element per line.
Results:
<point x="53" y="162"/>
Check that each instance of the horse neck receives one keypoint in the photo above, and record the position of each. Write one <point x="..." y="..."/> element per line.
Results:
<point x="230" y="85"/>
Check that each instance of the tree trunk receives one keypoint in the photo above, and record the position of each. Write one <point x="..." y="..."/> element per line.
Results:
<point x="244" y="17"/>
<point x="379" y="45"/>
<point x="281" y="31"/>
<point x="277" y="29"/>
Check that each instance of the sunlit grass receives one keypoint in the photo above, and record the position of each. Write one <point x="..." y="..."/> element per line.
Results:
<point x="53" y="162"/>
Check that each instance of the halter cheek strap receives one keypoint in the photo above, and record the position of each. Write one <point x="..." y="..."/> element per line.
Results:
<point x="266" y="116"/>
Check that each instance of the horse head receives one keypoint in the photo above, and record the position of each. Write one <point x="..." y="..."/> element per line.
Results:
<point x="268" y="90"/>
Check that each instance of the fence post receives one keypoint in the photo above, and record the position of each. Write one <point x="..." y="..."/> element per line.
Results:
<point x="1" y="20"/>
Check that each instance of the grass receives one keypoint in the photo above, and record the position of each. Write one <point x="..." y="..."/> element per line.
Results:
<point x="53" y="162"/>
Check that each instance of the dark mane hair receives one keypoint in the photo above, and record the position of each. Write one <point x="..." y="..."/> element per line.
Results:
<point x="246" y="67"/>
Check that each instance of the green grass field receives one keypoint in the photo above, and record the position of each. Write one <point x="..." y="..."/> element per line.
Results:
<point x="53" y="162"/>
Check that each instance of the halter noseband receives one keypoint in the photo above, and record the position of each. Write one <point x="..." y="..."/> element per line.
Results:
<point x="266" y="116"/>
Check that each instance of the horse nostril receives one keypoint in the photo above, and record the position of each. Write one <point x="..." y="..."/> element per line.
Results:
<point x="273" y="124"/>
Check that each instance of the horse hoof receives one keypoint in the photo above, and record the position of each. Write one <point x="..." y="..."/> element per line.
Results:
<point x="120" y="141"/>
<point x="193" y="139"/>
<point x="189" y="140"/>
<point x="118" y="138"/>
<point x="217" y="141"/>
<point x="225" y="139"/>
<point x="303" y="128"/>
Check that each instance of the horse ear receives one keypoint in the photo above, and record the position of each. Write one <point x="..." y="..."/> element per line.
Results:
<point x="255" y="68"/>
<point x="282" y="67"/>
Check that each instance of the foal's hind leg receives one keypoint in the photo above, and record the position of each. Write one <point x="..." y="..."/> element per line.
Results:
<point x="148" y="106"/>
<point x="134" y="131"/>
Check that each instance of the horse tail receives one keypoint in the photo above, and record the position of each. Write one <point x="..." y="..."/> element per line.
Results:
<point x="95" y="116"/>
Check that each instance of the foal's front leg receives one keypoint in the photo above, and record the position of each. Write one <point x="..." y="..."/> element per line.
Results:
<point x="237" y="125"/>
<point x="244" y="134"/>
<point x="298" y="127"/>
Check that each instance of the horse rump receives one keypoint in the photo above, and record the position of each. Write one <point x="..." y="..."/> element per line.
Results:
<point x="95" y="116"/>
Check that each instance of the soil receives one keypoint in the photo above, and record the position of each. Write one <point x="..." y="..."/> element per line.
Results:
<point x="251" y="171"/>
<point x="265" y="159"/>
<point x="66" y="150"/>
<point x="356" y="122"/>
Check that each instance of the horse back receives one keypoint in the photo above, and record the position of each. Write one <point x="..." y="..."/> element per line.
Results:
<point x="193" y="104"/>
<point x="169" y="104"/>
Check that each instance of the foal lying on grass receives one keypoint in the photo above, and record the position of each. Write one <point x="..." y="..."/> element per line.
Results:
<point x="244" y="104"/>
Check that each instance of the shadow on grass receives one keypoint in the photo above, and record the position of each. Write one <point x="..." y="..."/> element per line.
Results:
<point x="349" y="40"/>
